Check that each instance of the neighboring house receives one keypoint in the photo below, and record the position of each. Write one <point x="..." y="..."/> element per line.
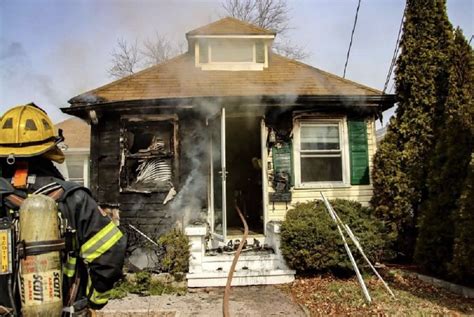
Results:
<point x="228" y="122"/>
<point x="76" y="148"/>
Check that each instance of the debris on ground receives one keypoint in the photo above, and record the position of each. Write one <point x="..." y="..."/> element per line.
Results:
<point x="328" y="295"/>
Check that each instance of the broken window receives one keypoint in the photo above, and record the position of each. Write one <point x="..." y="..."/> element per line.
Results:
<point x="148" y="155"/>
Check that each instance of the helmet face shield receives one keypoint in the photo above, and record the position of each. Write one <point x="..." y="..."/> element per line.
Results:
<point x="26" y="131"/>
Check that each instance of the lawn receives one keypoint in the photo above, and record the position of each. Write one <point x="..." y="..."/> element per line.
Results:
<point x="328" y="295"/>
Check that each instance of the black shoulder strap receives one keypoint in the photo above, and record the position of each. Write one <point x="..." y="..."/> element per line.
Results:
<point x="9" y="196"/>
<point x="15" y="198"/>
<point x="69" y="188"/>
<point x="6" y="187"/>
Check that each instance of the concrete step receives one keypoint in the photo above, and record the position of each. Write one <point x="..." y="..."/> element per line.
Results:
<point x="240" y="278"/>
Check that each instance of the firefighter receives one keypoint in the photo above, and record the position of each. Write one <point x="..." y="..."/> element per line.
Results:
<point x="93" y="248"/>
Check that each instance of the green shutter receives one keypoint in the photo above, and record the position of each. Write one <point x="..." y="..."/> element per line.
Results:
<point x="359" y="152"/>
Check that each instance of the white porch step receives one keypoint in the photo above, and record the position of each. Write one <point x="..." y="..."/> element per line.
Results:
<point x="253" y="267"/>
<point x="240" y="278"/>
<point x="246" y="262"/>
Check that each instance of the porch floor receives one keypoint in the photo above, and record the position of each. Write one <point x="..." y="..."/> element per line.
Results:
<point x="235" y="231"/>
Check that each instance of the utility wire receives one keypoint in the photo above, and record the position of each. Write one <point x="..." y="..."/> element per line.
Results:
<point x="352" y="37"/>
<point x="395" y="52"/>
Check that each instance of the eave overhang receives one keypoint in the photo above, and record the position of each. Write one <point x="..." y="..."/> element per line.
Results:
<point x="375" y="104"/>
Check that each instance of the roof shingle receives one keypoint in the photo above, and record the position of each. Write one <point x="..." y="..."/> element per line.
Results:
<point x="230" y="26"/>
<point x="179" y="78"/>
<point x="77" y="133"/>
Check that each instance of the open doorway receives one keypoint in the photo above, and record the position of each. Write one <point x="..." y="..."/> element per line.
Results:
<point x="244" y="178"/>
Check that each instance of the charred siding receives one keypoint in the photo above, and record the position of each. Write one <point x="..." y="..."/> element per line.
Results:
<point x="146" y="211"/>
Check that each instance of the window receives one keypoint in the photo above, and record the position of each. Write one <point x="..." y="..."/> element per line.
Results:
<point x="148" y="151"/>
<point x="320" y="152"/>
<point x="75" y="169"/>
<point x="231" y="54"/>
<point x="232" y="51"/>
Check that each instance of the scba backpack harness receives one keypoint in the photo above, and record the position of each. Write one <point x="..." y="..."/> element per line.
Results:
<point x="35" y="242"/>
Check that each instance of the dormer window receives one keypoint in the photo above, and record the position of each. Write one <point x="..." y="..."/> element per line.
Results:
<point x="238" y="51"/>
<point x="231" y="54"/>
<point x="230" y="44"/>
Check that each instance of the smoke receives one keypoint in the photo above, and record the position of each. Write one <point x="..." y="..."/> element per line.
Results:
<point x="12" y="50"/>
<point x="192" y="194"/>
<point x="18" y="73"/>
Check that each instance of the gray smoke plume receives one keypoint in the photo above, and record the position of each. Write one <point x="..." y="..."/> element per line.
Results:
<point x="192" y="194"/>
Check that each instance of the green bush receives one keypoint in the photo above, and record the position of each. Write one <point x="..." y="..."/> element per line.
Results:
<point x="143" y="284"/>
<point x="310" y="240"/>
<point x="176" y="255"/>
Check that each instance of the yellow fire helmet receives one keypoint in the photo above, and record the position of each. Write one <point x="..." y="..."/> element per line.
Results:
<point x="27" y="131"/>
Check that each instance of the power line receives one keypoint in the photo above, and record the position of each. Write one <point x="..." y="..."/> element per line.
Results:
<point x="395" y="52"/>
<point x="352" y="36"/>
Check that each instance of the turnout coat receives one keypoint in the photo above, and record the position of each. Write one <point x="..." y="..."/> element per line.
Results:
<point x="94" y="262"/>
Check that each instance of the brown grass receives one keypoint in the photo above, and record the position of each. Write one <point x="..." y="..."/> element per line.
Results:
<point x="328" y="295"/>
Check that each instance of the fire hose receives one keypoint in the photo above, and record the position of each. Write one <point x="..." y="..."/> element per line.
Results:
<point x="225" y="303"/>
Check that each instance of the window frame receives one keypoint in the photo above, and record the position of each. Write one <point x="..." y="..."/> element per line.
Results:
<point x="128" y="122"/>
<point x="81" y="161"/>
<point x="344" y="150"/>
<point x="232" y="66"/>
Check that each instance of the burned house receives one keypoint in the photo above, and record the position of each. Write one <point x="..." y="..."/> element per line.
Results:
<point x="228" y="122"/>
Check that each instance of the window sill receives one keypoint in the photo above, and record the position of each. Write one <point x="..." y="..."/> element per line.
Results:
<point x="313" y="186"/>
<point x="145" y="190"/>
<point x="242" y="66"/>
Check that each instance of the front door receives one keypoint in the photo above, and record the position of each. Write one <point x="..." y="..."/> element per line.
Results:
<point x="236" y="169"/>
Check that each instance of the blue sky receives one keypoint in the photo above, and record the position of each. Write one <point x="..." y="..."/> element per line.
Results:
<point x="52" y="50"/>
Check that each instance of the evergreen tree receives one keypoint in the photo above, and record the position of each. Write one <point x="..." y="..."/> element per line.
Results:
<point x="461" y="268"/>
<point x="421" y="85"/>
<point x="448" y="164"/>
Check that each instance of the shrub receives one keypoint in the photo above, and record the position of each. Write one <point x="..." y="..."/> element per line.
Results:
<point x="143" y="283"/>
<point x="176" y="252"/>
<point x="310" y="240"/>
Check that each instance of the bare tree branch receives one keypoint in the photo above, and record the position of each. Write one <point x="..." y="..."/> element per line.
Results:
<point x="158" y="50"/>
<point x="130" y="58"/>
<point x="268" y="14"/>
<point x="273" y="15"/>
<point x="291" y="50"/>
<point x="125" y="59"/>
<point x="240" y="9"/>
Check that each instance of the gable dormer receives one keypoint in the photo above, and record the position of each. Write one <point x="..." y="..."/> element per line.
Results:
<point x="230" y="44"/>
